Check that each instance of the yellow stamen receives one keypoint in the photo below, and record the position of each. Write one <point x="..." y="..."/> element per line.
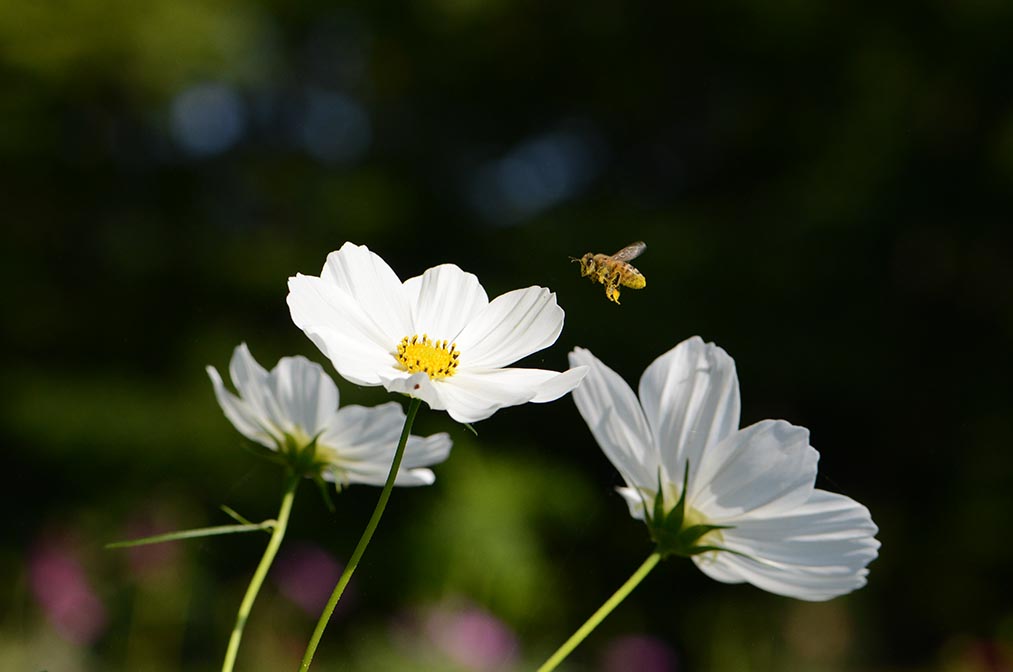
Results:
<point x="437" y="359"/>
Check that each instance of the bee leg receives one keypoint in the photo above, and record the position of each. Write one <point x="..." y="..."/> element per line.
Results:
<point x="612" y="292"/>
<point x="612" y="288"/>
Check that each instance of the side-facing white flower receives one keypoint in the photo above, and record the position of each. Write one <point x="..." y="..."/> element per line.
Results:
<point x="436" y="336"/>
<point x="296" y="402"/>
<point x="741" y="502"/>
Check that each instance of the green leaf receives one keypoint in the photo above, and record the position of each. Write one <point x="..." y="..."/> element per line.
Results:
<point x="195" y="533"/>
<point x="234" y="515"/>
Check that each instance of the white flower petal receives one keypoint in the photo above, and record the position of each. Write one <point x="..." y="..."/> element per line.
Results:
<point x="337" y="325"/>
<point x="239" y="413"/>
<point x="423" y="451"/>
<point x="617" y="422"/>
<point x="828" y="526"/>
<point x="252" y="382"/>
<point x="785" y="580"/>
<point x="719" y="567"/>
<point x="447" y="298"/>
<point x="417" y="385"/>
<point x="371" y="475"/>
<point x="365" y="440"/>
<point x="367" y="434"/>
<point x="538" y="385"/>
<point x="690" y="396"/>
<point x="512" y="326"/>
<point x="419" y="451"/>
<point x="306" y="395"/>
<point x="374" y="287"/>
<point x="361" y="433"/>
<point x="818" y="551"/>
<point x="408" y="478"/>
<point x="764" y="468"/>
<point x="470" y="396"/>
<point x="554" y="385"/>
<point x="475" y="394"/>
<point x="634" y="501"/>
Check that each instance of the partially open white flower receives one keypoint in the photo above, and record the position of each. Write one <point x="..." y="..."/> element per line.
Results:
<point x="436" y="336"/>
<point x="749" y="510"/>
<point x="296" y="402"/>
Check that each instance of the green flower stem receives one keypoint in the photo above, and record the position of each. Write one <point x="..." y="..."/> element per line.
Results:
<point x="259" y="575"/>
<point x="599" y="616"/>
<point x="346" y="575"/>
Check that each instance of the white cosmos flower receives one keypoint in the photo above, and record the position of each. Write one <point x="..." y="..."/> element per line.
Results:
<point x="436" y="336"/>
<point x="286" y="408"/>
<point x="754" y="485"/>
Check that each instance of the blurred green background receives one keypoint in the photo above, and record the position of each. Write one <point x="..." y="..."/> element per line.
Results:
<point x="825" y="191"/>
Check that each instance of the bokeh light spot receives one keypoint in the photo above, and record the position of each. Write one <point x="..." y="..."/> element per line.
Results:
<point x="207" y="119"/>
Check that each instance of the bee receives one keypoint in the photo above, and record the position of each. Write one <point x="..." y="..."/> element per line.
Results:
<point x="613" y="271"/>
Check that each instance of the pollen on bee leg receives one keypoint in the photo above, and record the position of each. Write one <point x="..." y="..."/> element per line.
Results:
<point x="437" y="359"/>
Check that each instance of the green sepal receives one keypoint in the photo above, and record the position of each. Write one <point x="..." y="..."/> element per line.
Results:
<point x="300" y="456"/>
<point x="697" y="550"/>
<point x="678" y="513"/>
<point x="664" y="540"/>
<point x="470" y="428"/>
<point x="690" y="535"/>
<point x="670" y="523"/>
<point x="669" y="531"/>
<point x="658" y="517"/>
<point x="325" y="492"/>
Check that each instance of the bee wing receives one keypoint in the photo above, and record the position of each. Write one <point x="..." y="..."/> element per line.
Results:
<point x="630" y="251"/>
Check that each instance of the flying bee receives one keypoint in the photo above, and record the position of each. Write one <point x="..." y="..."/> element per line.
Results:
<point x="615" y="270"/>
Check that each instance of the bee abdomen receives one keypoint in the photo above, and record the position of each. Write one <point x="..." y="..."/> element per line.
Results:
<point x="635" y="281"/>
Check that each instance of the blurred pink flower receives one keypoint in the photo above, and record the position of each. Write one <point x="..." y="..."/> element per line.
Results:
<point x="638" y="652"/>
<point x="985" y="656"/>
<point x="306" y="575"/>
<point x="61" y="588"/>
<point x="471" y="637"/>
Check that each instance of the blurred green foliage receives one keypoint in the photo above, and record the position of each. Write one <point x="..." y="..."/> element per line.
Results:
<point x="824" y="190"/>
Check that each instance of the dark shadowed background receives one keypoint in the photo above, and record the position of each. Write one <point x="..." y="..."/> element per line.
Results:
<point x="824" y="191"/>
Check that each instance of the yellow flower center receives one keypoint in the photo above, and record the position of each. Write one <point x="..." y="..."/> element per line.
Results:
<point x="437" y="359"/>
